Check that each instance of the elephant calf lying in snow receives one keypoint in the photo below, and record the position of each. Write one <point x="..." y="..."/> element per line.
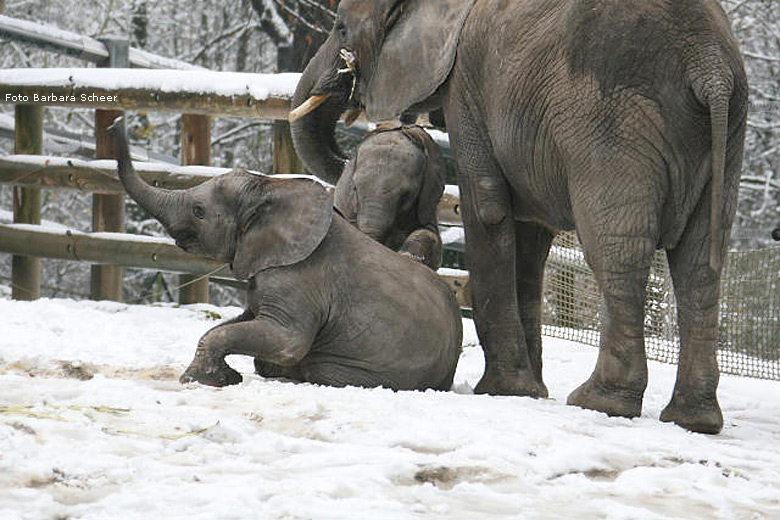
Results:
<point x="326" y="303"/>
<point x="391" y="189"/>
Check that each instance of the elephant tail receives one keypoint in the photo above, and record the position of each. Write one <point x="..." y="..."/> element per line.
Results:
<point x="719" y="120"/>
<point x="714" y="90"/>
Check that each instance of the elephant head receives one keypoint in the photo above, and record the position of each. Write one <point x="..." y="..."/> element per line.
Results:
<point x="385" y="57"/>
<point x="253" y="222"/>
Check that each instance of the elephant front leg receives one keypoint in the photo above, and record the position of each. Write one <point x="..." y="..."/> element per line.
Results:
<point x="211" y="370"/>
<point x="490" y="253"/>
<point x="209" y="366"/>
<point x="508" y="367"/>
<point x="423" y="245"/>
<point x="268" y="342"/>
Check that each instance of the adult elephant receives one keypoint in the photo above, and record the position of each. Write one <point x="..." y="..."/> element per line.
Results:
<point x="622" y="120"/>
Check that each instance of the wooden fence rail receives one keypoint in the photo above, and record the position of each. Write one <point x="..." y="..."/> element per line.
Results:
<point x="100" y="176"/>
<point x="157" y="253"/>
<point x="236" y="94"/>
<point x="124" y="249"/>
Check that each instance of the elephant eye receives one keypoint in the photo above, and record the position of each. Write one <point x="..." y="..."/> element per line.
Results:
<point x="199" y="210"/>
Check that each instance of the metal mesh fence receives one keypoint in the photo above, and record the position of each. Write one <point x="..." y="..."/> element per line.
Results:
<point x="749" y="335"/>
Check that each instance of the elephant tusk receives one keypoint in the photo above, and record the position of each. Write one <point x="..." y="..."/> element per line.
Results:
<point x="307" y="106"/>
<point x="351" y="117"/>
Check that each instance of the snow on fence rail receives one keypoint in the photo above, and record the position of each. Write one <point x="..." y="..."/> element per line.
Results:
<point x="79" y="46"/>
<point x="238" y="94"/>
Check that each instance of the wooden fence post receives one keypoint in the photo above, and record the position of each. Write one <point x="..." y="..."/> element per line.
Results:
<point x="195" y="151"/>
<point x="108" y="211"/>
<point x="285" y="158"/>
<point x="28" y="139"/>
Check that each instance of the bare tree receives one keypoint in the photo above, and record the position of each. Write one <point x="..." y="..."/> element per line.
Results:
<point x="297" y="27"/>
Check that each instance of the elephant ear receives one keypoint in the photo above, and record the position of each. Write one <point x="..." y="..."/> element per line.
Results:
<point x="285" y="226"/>
<point x="426" y="33"/>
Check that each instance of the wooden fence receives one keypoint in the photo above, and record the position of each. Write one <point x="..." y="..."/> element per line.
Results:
<point x="198" y="94"/>
<point x="245" y="95"/>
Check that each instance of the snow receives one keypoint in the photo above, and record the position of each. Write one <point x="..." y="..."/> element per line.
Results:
<point x="453" y="235"/>
<point x="441" y="138"/>
<point x="130" y="442"/>
<point x="452" y="190"/>
<point x="280" y="27"/>
<point x="259" y="86"/>
<point x="452" y="272"/>
<point x="50" y="33"/>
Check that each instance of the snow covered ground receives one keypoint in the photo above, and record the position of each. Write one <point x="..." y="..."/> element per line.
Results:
<point x="94" y="425"/>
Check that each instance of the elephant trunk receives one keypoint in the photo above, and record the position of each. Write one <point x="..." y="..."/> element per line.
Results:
<point x="314" y="134"/>
<point x="376" y="219"/>
<point x="161" y="204"/>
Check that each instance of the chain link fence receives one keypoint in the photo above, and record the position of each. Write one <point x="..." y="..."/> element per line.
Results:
<point x="749" y="336"/>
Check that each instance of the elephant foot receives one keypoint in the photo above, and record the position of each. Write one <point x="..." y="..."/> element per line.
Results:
<point x="616" y="402"/>
<point x="520" y="383"/>
<point x="703" y="416"/>
<point x="218" y="375"/>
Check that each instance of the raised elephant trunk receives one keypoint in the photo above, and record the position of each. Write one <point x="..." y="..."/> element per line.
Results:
<point x="158" y="202"/>
<point x="314" y="133"/>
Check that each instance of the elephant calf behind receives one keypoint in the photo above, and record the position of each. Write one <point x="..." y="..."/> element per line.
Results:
<point x="325" y="304"/>
<point x="391" y="188"/>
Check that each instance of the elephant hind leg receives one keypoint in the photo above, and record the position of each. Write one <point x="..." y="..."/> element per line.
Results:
<point x="694" y="404"/>
<point x="619" y="243"/>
